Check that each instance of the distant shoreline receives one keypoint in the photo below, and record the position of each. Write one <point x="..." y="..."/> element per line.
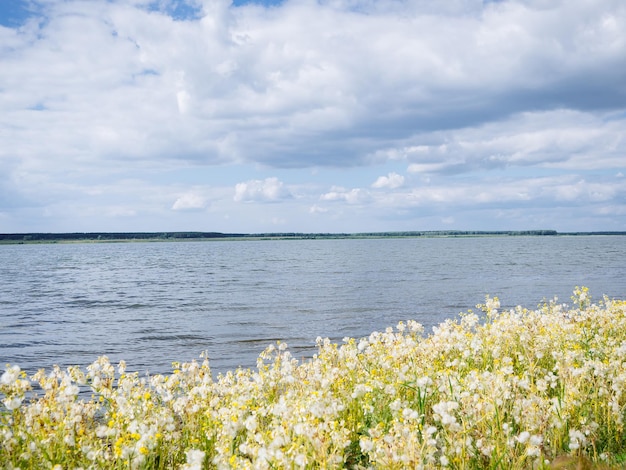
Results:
<point x="110" y="237"/>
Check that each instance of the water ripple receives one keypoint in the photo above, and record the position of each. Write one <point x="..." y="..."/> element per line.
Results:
<point x="156" y="303"/>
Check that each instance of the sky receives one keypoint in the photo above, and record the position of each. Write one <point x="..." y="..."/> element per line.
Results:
<point x="312" y="115"/>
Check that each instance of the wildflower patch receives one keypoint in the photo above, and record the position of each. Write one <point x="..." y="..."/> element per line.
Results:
<point x="499" y="388"/>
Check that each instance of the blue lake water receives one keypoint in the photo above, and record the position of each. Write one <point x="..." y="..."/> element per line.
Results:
<point x="155" y="303"/>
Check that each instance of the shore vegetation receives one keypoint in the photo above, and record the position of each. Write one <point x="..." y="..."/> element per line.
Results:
<point x="493" y="389"/>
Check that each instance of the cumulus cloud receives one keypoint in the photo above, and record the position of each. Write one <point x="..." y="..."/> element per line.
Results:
<point x="267" y="190"/>
<point x="505" y="192"/>
<point x="316" y="209"/>
<point x="351" y="196"/>
<point x="191" y="200"/>
<point x="392" y="180"/>
<point x="183" y="94"/>
<point x="557" y="139"/>
<point x="165" y="84"/>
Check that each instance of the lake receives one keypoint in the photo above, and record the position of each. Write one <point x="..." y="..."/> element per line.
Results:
<point x="155" y="303"/>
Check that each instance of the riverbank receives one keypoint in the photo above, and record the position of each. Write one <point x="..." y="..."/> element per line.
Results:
<point x="511" y="388"/>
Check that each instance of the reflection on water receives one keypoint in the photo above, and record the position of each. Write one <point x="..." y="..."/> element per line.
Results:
<point x="155" y="303"/>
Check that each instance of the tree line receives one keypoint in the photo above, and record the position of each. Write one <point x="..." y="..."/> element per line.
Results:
<point x="128" y="236"/>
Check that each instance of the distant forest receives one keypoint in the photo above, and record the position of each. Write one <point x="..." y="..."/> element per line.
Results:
<point x="181" y="236"/>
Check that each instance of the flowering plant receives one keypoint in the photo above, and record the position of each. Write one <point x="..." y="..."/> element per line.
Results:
<point x="501" y="388"/>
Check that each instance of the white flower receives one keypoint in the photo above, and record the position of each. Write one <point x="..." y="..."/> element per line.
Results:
<point x="10" y="376"/>
<point x="360" y="390"/>
<point x="395" y="405"/>
<point x="195" y="458"/>
<point x="70" y="391"/>
<point x="410" y="414"/>
<point x="415" y="327"/>
<point x="447" y="419"/>
<point x="576" y="439"/>
<point x="442" y="412"/>
<point x="533" y="451"/>
<point x="250" y="423"/>
<point x="69" y="439"/>
<point x="366" y="444"/>
<point x="300" y="460"/>
<point x="423" y="382"/>
<point x="12" y="403"/>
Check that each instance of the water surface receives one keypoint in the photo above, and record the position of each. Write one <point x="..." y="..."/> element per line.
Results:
<point x="155" y="303"/>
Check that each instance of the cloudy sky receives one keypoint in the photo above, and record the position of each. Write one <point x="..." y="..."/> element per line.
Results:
<point x="312" y="115"/>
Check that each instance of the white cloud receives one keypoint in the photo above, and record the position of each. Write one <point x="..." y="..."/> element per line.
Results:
<point x="529" y="192"/>
<point x="392" y="180"/>
<point x="316" y="209"/>
<point x="352" y="196"/>
<point x="165" y="85"/>
<point x="269" y="189"/>
<point x="509" y="93"/>
<point x="552" y="139"/>
<point x="190" y="200"/>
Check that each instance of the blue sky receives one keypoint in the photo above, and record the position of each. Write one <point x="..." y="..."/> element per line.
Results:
<point x="312" y="115"/>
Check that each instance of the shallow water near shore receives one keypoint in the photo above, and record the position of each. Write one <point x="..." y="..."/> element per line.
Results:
<point x="155" y="303"/>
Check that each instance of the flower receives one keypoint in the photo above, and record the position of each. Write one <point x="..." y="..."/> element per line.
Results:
<point x="9" y="377"/>
<point x="195" y="459"/>
<point x="12" y="403"/>
<point x="518" y="385"/>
